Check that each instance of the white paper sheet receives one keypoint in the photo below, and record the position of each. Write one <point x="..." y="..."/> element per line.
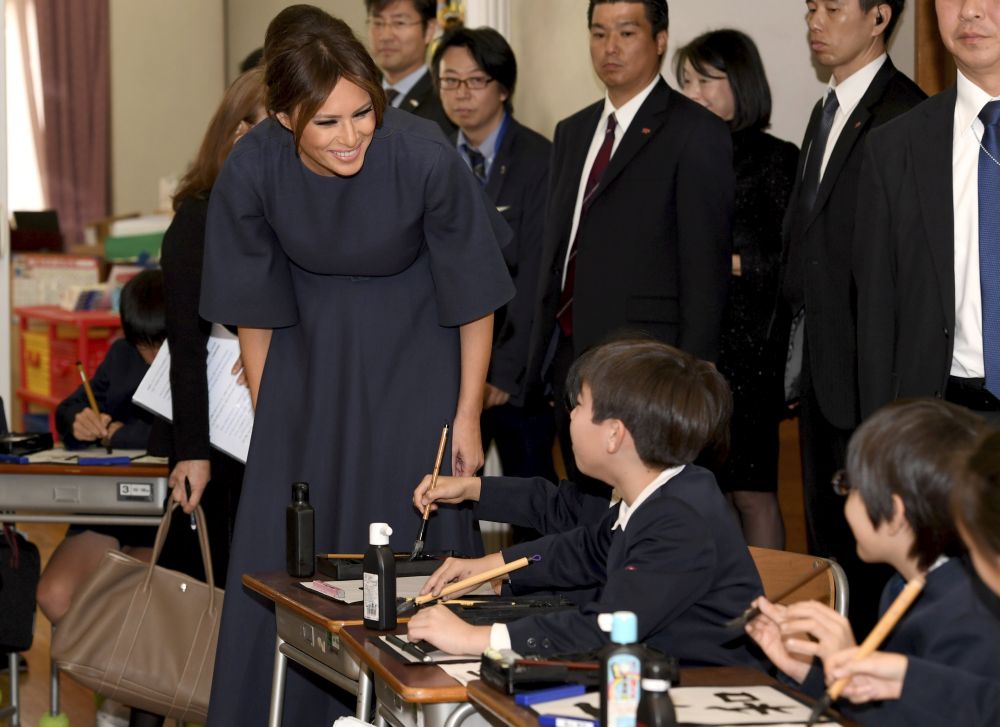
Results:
<point x="715" y="706"/>
<point x="230" y="413"/>
<point x="354" y="592"/>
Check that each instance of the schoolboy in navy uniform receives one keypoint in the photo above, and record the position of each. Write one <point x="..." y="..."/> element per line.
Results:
<point x="931" y="692"/>
<point x="671" y="551"/>
<point x="898" y="483"/>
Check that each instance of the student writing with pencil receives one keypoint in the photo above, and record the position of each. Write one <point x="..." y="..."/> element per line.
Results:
<point x="897" y="483"/>
<point x="670" y="551"/>
<point x="929" y="691"/>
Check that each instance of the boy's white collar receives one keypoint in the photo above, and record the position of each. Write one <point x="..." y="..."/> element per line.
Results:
<point x="625" y="511"/>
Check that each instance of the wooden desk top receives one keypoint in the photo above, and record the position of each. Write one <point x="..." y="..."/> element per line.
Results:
<point x="419" y="683"/>
<point x="499" y="708"/>
<point x="132" y="470"/>
<point x="280" y="588"/>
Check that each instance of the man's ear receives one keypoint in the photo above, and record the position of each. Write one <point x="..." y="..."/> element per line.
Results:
<point x="283" y="119"/>
<point x="883" y="14"/>
<point x="430" y="32"/>
<point x="661" y="42"/>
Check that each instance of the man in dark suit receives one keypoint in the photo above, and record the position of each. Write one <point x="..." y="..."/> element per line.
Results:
<point x="476" y="72"/>
<point x="848" y="38"/>
<point x="928" y="255"/>
<point x="638" y="229"/>
<point x="399" y="32"/>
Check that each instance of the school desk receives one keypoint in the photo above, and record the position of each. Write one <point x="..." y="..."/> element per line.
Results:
<point x="83" y="495"/>
<point x="409" y="695"/>
<point x="499" y="709"/>
<point x="309" y="633"/>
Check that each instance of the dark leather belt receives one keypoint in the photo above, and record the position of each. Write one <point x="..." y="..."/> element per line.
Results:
<point x="971" y="393"/>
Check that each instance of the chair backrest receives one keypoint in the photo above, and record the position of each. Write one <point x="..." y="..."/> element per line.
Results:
<point x="781" y="569"/>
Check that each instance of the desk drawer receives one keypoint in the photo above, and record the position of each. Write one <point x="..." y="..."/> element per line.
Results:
<point x="390" y="706"/>
<point x="78" y="494"/>
<point x="315" y="641"/>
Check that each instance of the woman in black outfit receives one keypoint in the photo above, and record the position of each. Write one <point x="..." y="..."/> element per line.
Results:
<point x="722" y="71"/>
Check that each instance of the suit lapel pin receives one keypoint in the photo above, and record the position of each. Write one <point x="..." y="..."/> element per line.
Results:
<point x="857" y="124"/>
<point x="414" y="103"/>
<point x="503" y="169"/>
<point x="646" y="130"/>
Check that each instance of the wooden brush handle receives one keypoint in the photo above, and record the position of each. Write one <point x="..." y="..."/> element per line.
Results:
<point x="437" y="468"/>
<point x="475" y="580"/>
<point x="885" y="624"/>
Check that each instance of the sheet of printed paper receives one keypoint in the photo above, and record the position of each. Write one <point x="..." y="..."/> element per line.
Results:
<point x="354" y="592"/>
<point x="58" y="455"/>
<point x="230" y="413"/>
<point x="715" y="706"/>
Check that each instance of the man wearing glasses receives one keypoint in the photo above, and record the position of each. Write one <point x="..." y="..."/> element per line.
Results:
<point x="399" y="32"/>
<point x="476" y="71"/>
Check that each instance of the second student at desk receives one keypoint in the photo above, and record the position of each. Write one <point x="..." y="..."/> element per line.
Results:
<point x="671" y="551"/>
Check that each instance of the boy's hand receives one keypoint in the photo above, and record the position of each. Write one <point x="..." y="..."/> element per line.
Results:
<point x="831" y="631"/>
<point x="766" y="631"/>
<point x="457" y="569"/>
<point x="448" y="632"/>
<point x="451" y="490"/>
<point x="874" y="678"/>
<point x="89" y="427"/>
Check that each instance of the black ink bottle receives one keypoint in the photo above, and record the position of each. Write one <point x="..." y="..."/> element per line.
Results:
<point x="379" y="574"/>
<point x="655" y="706"/>
<point x="300" y="543"/>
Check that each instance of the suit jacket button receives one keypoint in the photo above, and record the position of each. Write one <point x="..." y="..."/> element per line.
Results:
<point x="532" y="642"/>
<point x="546" y="644"/>
<point x="945" y="332"/>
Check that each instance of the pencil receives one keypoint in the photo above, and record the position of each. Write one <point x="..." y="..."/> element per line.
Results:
<point x="874" y="639"/>
<point x="93" y="402"/>
<point x="753" y="612"/>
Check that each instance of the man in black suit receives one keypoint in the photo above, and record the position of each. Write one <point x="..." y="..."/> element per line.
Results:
<point x="848" y="38"/>
<point x="399" y="32"/>
<point x="928" y="255"/>
<point x="638" y="229"/>
<point x="476" y="72"/>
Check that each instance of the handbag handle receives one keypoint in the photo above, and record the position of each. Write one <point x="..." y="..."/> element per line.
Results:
<point x="206" y="553"/>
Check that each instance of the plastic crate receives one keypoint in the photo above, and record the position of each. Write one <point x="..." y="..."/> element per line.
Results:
<point x="35" y="351"/>
<point x="50" y="364"/>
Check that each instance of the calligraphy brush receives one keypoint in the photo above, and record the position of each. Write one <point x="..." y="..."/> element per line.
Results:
<point x="411" y="604"/>
<point x="871" y="643"/>
<point x="753" y="612"/>
<point x="418" y="544"/>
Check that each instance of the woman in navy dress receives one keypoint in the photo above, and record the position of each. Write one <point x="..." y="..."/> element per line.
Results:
<point x="361" y="262"/>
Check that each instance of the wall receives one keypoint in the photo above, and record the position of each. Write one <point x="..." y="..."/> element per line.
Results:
<point x="5" y="339"/>
<point x="551" y="42"/>
<point x="167" y="77"/>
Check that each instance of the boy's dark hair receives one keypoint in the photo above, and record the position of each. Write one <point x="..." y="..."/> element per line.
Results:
<point x="142" y="309"/>
<point x="735" y="55"/>
<point x="907" y="448"/>
<point x="672" y="404"/>
<point x="897" y="10"/>
<point x="975" y="498"/>
<point x="489" y="49"/>
<point x="657" y="12"/>
<point x="426" y="9"/>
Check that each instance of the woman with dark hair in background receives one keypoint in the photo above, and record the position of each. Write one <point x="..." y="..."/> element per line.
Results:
<point x="361" y="262"/>
<point x="186" y="442"/>
<point x="722" y="71"/>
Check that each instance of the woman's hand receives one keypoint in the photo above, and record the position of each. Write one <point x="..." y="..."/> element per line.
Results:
<point x="494" y="397"/>
<point x="90" y="427"/>
<point x="238" y="371"/>
<point x="466" y="446"/>
<point x="458" y="569"/>
<point x="874" y="678"/>
<point x="450" y="490"/>
<point x="448" y="632"/>
<point x="766" y="631"/>
<point x="197" y="472"/>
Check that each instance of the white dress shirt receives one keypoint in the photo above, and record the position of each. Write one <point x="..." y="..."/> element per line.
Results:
<point x="849" y="94"/>
<point x="623" y="117"/>
<point x="405" y="84"/>
<point x="499" y="633"/>
<point x="967" y="358"/>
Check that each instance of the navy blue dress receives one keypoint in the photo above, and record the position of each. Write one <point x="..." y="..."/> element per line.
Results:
<point x="365" y="282"/>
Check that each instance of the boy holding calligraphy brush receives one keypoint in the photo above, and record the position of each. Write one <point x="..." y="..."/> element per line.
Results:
<point x="670" y="551"/>
<point x="897" y="484"/>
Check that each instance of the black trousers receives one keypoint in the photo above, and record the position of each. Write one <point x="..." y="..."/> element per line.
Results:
<point x="824" y="451"/>
<point x="524" y="436"/>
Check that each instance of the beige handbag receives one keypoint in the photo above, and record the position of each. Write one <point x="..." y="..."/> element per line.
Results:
<point x="144" y="635"/>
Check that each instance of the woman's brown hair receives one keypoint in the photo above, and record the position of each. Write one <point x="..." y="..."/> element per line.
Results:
<point x="306" y="51"/>
<point x="242" y="102"/>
